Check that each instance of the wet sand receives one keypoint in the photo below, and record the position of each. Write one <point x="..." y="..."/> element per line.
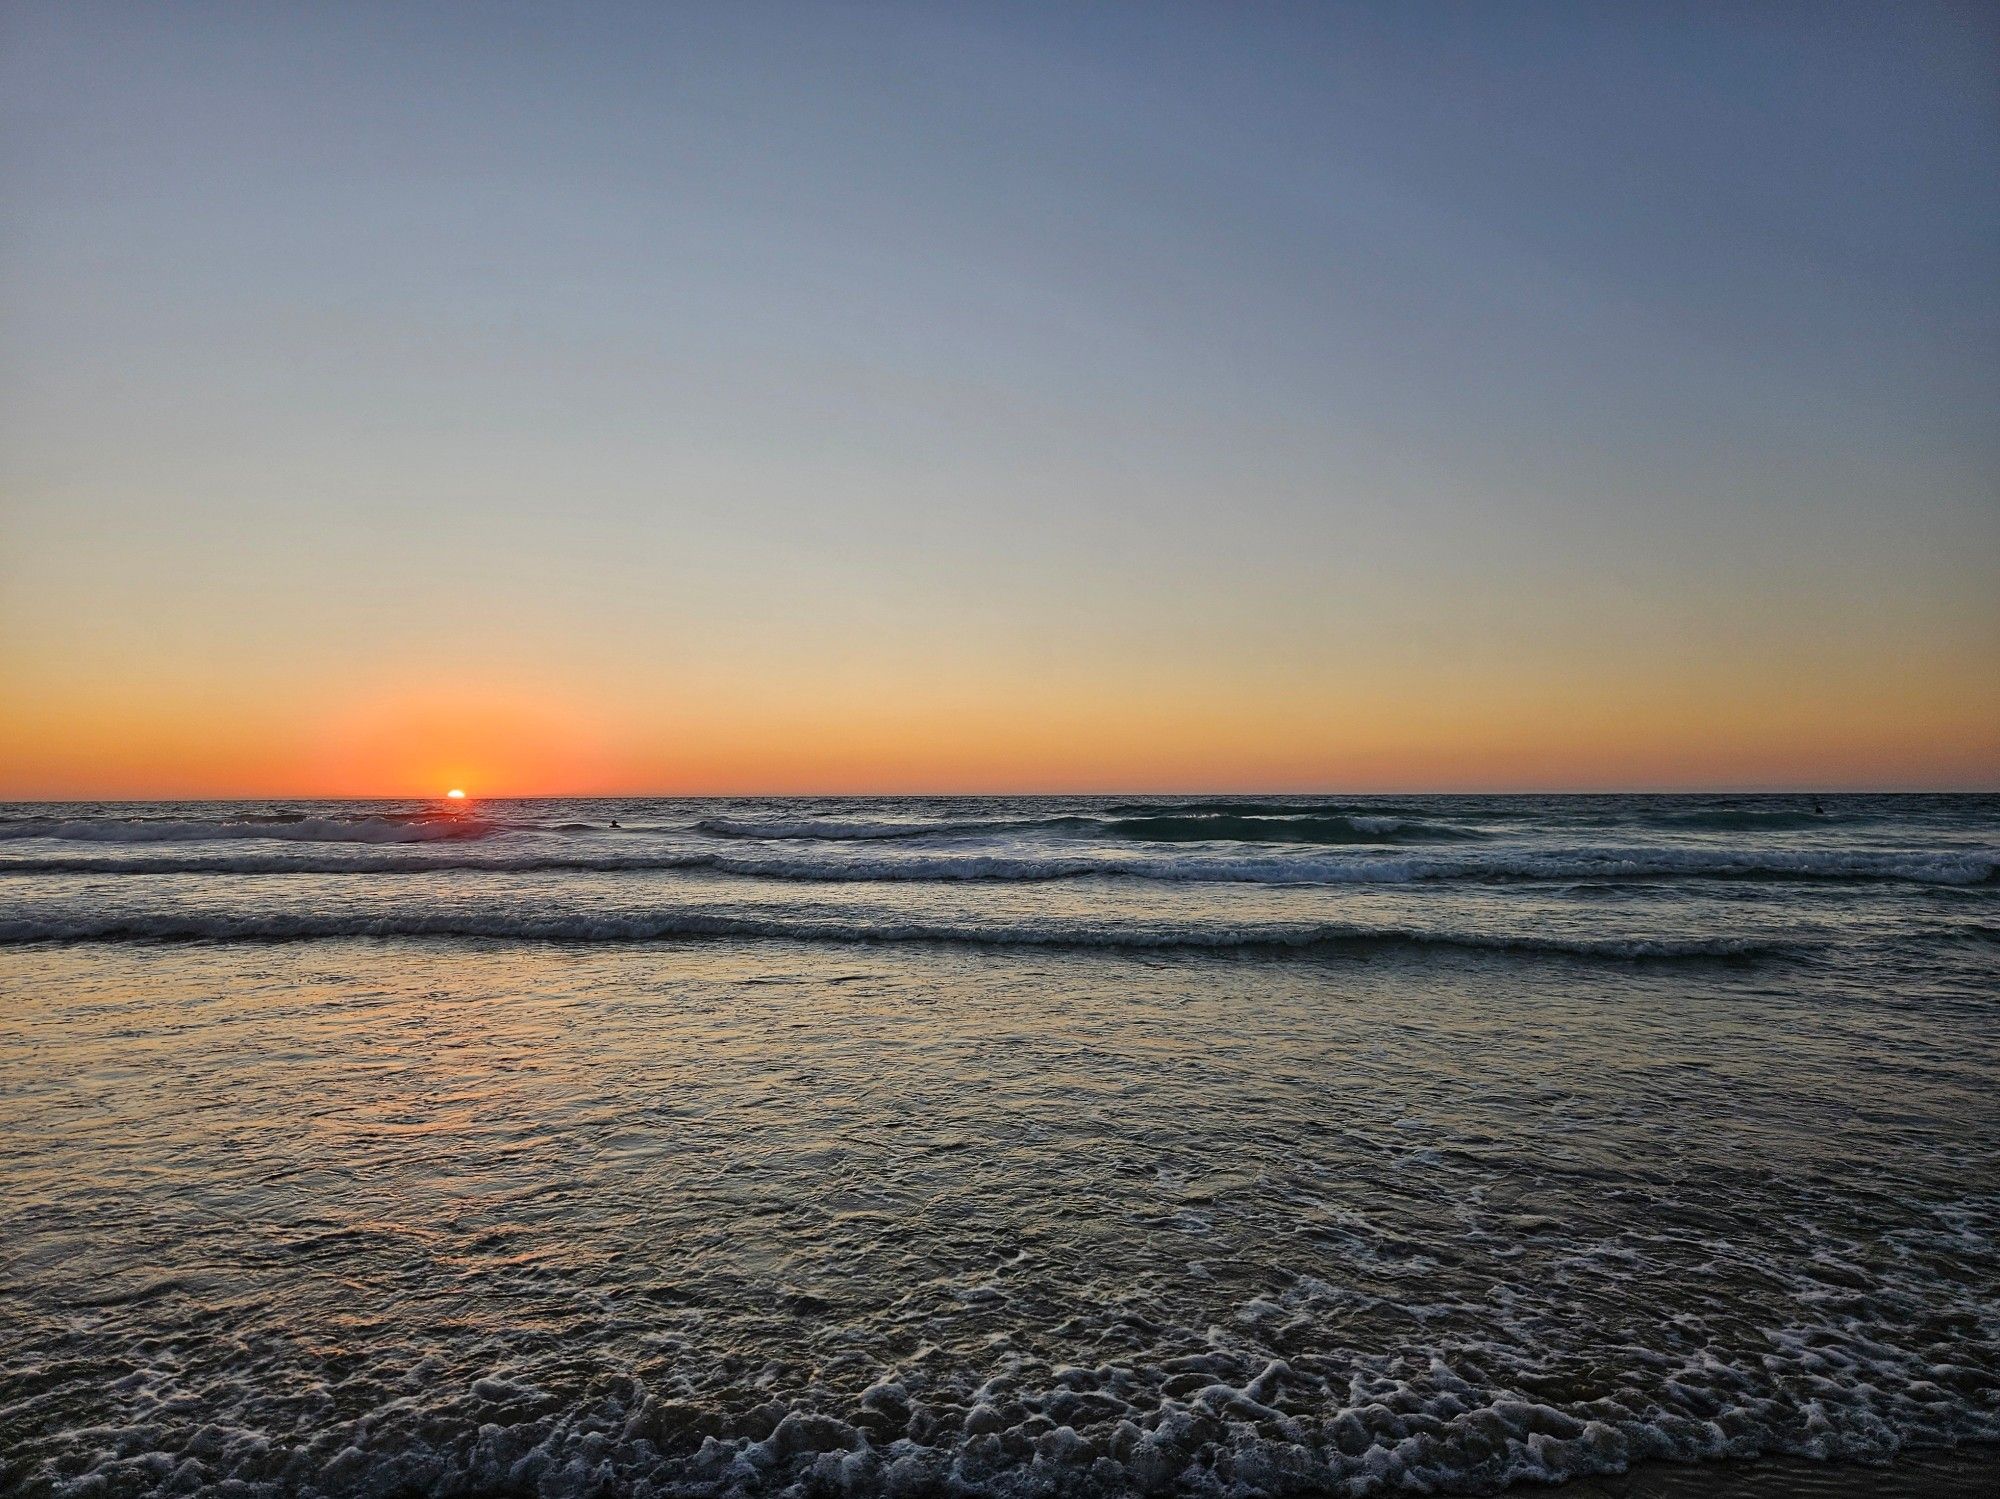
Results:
<point x="1968" y="1473"/>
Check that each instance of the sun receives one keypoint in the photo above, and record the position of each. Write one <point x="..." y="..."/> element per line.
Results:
<point x="455" y="795"/>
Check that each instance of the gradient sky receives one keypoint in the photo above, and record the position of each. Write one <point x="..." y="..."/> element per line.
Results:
<point x="600" y="397"/>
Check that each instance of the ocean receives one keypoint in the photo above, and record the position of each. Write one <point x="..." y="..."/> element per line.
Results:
<point x="1012" y="1146"/>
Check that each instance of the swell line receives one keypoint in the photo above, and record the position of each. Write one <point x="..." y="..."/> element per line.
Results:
<point x="571" y="927"/>
<point x="1966" y="868"/>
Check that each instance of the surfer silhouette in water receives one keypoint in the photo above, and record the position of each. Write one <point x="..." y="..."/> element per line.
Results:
<point x="1819" y="810"/>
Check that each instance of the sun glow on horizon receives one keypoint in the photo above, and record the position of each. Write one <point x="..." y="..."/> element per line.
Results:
<point x="455" y="795"/>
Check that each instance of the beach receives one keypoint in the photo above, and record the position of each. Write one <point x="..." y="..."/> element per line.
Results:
<point x="1001" y="1146"/>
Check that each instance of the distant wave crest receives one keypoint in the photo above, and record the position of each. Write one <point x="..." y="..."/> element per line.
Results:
<point x="1737" y="819"/>
<point x="1200" y="822"/>
<point x="1227" y="807"/>
<point x="1262" y="827"/>
<point x="839" y="830"/>
<point x="290" y="828"/>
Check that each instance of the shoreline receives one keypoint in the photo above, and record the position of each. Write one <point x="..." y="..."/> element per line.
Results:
<point x="1968" y="1472"/>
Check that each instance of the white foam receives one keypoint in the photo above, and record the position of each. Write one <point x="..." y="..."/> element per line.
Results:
<point x="1406" y="1423"/>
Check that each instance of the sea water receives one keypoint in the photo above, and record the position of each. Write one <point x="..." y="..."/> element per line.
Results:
<point x="1022" y="1146"/>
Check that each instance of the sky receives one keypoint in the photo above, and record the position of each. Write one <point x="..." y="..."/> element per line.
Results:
<point x="602" y="398"/>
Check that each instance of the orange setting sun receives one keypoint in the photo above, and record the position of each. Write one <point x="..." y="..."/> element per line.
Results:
<point x="455" y="795"/>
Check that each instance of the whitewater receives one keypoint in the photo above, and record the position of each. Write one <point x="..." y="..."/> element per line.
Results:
<point x="1012" y="1146"/>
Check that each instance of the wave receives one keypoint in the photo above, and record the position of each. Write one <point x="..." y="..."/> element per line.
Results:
<point x="1218" y="827"/>
<point x="840" y="831"/>
<point x="1262" y="825"/>
<point x="572" y="926"/>
<point x="1230" y="808"/>
<point x="414" y="862"/>
<point x="1944" y="868"/>
<point x="1737" y="820"/>
<point x="286" y="827"/>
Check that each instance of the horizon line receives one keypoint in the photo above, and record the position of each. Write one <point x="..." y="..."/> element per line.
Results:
<point x="698" y="796"/>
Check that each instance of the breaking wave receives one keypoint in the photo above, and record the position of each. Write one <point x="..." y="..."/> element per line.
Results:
<point x="834" y="830"/>
<point x="1220" y="827"/>
<point x="1232" y="808"/>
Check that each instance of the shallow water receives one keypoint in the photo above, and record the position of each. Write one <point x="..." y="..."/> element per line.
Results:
<point x="1433" y="1143"/>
